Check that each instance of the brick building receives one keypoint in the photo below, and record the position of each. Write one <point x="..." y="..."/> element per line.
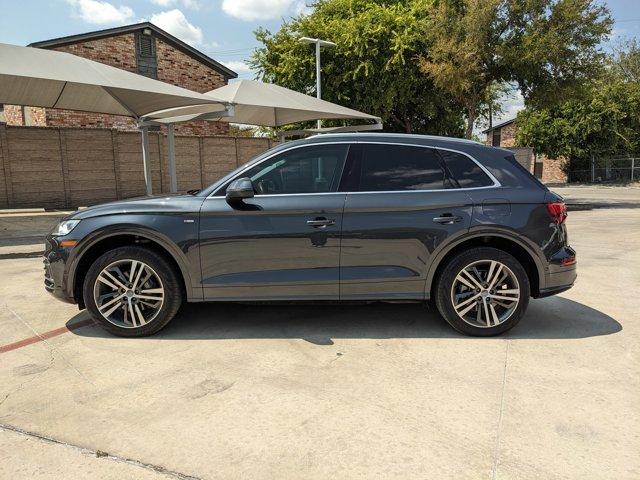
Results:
<point x="549" y="170"/>
<point x="141" y="48"/>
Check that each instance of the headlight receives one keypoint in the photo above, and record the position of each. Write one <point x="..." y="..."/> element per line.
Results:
<point x="64" y="228"/>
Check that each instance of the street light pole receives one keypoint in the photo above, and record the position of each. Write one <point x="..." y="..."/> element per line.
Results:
<point x="318" y="43"/>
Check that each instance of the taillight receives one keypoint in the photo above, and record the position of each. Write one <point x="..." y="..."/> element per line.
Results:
<point x="558" y="211"/>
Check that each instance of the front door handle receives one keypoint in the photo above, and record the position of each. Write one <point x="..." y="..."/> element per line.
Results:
<point x="447" y="219"/>
<point x="321" y="222"/>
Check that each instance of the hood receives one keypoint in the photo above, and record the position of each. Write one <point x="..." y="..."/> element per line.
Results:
<point x="150" y="204"/>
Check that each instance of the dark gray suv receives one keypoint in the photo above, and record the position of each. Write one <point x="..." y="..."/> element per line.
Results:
<point x="366" y="217"/>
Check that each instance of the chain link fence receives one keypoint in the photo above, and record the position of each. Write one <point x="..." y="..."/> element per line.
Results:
<point x="607" y="170"/>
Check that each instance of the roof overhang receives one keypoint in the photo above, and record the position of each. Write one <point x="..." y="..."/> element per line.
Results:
<point x="166" y="36"/>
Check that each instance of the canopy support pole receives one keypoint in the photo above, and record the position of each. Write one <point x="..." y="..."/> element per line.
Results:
<point x="173" y="178"/>
<point x="146" y="160"/>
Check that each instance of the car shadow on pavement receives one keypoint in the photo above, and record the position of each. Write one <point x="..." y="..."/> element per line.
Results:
<point x="549" y="318"/>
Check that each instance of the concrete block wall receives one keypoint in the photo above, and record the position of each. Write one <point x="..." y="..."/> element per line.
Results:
<point x="72" y="167"/>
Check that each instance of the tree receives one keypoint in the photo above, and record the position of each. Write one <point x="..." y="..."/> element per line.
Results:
<point x="549" y="48"/>
<point x="373" y="67"/>
<point x="626" y="61"/>
<point x="604" y="122"/>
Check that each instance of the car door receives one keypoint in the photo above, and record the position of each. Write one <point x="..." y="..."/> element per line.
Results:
<point x="401" y="204"/>
<point x="284" y="243"/>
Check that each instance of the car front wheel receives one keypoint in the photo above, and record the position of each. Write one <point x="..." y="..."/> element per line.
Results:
<point x="483" y="292"/>
<point x="132" y="291"/>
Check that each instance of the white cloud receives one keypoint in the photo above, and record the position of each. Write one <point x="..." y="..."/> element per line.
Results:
<point x="513" y="103"/>
<point x="192" y="4"/>
<point x="174" y="22"/>
<point x="250" y="10"/>
<point x="238" y="66"/>
<point x="301" y="8"/>
<point x="100" y="13"/>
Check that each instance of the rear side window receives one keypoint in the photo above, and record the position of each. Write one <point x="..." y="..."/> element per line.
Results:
<point x="399" y="167"/>
<point x="465" y="171"/>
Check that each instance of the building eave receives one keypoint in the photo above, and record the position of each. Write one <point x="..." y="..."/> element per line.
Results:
<point x="112" y="32"/>
<point x="499" y="125"/>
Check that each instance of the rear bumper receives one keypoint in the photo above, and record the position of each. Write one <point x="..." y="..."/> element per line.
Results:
<point x="547" y="292"/>
<point x="560" y="277"/>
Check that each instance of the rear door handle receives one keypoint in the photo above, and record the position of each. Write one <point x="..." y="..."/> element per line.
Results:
<point x="447" y="219"/>
<point x="321" y="222"/>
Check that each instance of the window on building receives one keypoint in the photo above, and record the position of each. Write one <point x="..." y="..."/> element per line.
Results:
<point x="496" y="137"/>
<point x="399" y="167"/>
<point x="146" y="55"/>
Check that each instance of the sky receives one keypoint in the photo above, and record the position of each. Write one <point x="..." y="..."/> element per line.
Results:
<point x="223" y="29"/>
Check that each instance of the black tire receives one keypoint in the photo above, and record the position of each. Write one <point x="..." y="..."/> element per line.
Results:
<point x="173" y="295"/>
<point x="445" y="281"/>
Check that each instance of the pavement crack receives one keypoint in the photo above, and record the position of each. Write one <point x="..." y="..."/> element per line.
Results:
<point x="22" y="385"/>
<point x="496" y="451"/>
<point x="99" y="453"/>
<point x="49" y="345"/>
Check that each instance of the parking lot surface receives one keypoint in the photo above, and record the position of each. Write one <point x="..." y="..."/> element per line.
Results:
<point x="373" y="391"/>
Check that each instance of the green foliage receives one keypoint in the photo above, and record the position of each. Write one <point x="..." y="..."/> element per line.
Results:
<point x="373" y="67"/>
<point x="547" y="47"/>
<point x="625" y="63"/>
<point x="436" y="66"/>
<point x="606" y="121"/>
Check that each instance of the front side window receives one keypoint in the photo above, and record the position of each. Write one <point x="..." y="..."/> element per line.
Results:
<point x="400" y="167"/>
<point x="314" y="169"/>
<point x="465" y="171"/>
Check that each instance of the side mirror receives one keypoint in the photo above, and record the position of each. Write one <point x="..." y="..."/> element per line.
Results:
<point x="239" y="190"/>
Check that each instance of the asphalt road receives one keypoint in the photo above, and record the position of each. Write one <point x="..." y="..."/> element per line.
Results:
<point x="377" y="391"/>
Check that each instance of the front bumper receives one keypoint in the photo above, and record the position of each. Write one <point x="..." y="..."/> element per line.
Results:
<point x="55" y="277"/>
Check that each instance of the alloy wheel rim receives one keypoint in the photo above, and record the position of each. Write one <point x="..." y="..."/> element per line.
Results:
<point x="128" y="293"/>
<point x="485" y="293"/>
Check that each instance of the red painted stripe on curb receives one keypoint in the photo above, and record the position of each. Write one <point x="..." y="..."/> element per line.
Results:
<point x="44" y="336"/>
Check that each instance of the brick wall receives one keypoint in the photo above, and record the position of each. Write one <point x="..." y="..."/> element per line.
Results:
<point x="71" y="167"/>
<point x="180" y="69"/>
<point x="552" y="168"/>
<point x="13" y="115"/>
<point x="119" y="51"/>
<point x="508" y="135"/>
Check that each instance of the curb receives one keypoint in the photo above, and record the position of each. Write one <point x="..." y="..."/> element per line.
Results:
<point x="14" y="255"/>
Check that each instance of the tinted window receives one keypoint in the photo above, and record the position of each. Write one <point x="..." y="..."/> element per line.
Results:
<point x="398" y="167"/>
<point x="313" y="169"/>
<point x="467" y="172"/>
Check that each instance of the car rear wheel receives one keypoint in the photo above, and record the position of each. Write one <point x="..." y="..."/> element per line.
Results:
<point x="132" y="291"/>
<point x="483" y="292"/>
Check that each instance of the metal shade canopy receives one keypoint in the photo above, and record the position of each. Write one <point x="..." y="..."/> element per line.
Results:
<point x="46" y="78"/>
<point x="50" y="79"/>
<point x="264" y="104"/>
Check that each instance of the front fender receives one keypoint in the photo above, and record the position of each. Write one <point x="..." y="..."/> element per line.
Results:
<point x="176" y="252"/>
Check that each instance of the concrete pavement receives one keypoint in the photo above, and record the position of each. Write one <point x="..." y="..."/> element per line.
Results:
<point x="600" y="196"/>
<point x="376" y="391"/>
